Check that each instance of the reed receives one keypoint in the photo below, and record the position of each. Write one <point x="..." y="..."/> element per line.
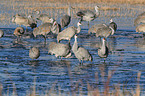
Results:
<point x="117" y="91"/>
<point x="93" y="1"/>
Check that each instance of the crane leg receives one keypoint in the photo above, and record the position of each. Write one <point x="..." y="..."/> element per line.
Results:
<point x="44" y="41"/>
<point x="88" y="24"/>
<point x="26" y="29"/>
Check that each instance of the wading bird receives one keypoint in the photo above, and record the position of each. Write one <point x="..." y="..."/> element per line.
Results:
<point x="69" y="32"/>
<point x="103" y="50"/>
<point x="43" y="30"/>
<point x="141" y="28"/>
<point x="19" y="31"/>
<point x="26" y="21"/>
<point x="1" y="33"/>
<point x="34" y="53"/>
<point x="59" y="49"/>
<point x="80" y="52"/>
<point x="140" y="19"/>
<point x="95" y="27"/>
<point x="106" y="31"/>
<point x="65" y="20"/>
<point x="113" y="25"/>
<point x="88" y="15"/>
<point x="44" y="18"/>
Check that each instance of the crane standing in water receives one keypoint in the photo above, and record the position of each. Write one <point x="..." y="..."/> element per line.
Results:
<point x="88" y="15"/>
<point x="80" y="52"/>
<point x="103" y="50"/>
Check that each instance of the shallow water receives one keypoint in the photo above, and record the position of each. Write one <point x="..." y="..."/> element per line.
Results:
<point x="126" y="59"/>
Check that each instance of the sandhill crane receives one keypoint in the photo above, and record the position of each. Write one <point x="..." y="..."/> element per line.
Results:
<point x="44" y="29"/>
<point x="68" y="33"/>
<point x="88" y="15"/>
<point x="59" y="49"/>
<point x="95" y="27"/>
<point x="106" y="31"/>
<point x="32" y="21"/>
<point x="140" y="19"/>
<point x="65" y="20"/>
<point x="56" y="28"/>
<point x="34" y="53"/>
<point x="1" y="33"/>
<point x="19" y="31"/>
<point x="103" y="50"/>
<point x="44" y="18"/>
<point x="113" y="25"/>
<point x="140" y="28"/>
<point x="80" y="52"/>
<point x="26" y="21"/>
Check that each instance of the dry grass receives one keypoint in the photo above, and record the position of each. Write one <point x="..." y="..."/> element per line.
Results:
<point x="92" y="1"/>
<point x="55" y="8"/>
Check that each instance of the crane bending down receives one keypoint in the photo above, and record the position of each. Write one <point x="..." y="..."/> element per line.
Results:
<point x="19" y="31"/>
<point x="34" y="53"/>
<point x="59" y="49"/>
<point x="80" y="52"/>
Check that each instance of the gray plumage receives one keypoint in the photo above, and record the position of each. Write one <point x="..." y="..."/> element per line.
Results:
<point x="103" y="51"/>
<point x="44" y="18"/>
<point x="32" y="21"/>
<point x="26" y="21"/>
<point x="88" y="15"/>
<point x="56" y="28"/>
<point x="80" y="52"/>
<point x="44" y="29"/>
<point x="19" y="31"/>
<point x="140" y="19"/>
<point x="105" y="31"/>
<point x="34" y="53"/>
<point x="140" y="28"/>
<point x="68" y="33"/>
<point x="95" y="27"/>
<point x="1" y="33"/>
<point x="59" y="49"/>
<point x="113" y="25"/>
<point x="65" y="20"/>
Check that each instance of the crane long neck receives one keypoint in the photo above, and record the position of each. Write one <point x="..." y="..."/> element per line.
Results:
<point x="97" y="12"/>
<point x="78" y="29"/>
<point x="103" y="47"/>
<point x="69" y="10"/>
<point x="112" y="30"/>
<point x="75" y="46"/>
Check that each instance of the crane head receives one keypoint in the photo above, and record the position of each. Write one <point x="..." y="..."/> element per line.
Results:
<point x="111" y="20"/>
<point x="104" y="39"/>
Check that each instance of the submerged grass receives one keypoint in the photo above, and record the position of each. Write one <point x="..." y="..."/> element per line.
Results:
<point x="107" y="90"/>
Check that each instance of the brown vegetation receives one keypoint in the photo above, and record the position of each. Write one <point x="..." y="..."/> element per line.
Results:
<point x="92" y="1"/>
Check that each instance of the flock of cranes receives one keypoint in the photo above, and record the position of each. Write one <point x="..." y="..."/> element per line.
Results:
<point x="64" y="50"/>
